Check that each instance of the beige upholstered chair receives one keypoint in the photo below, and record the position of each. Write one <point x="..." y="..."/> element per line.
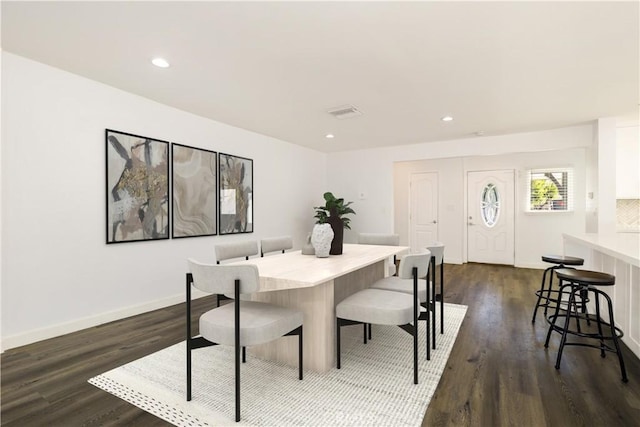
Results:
<point x="403" y="283"/>
<point x="384" y="307"/>
<point x="274" y="244"/>
<point x="240" y="324"/>
<point x="234" y="250"/>
<point x="383" y="240"/>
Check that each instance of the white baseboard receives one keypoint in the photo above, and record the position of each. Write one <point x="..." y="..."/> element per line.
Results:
<point x="36" y="335"/>
<point x="534" y="265"/>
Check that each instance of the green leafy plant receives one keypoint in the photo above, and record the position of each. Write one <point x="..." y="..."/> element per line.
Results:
<point x="543" y="191"/>
<point x="333" y="207"/>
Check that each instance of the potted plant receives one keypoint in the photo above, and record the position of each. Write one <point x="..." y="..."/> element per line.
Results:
<point x="334" y="213"/>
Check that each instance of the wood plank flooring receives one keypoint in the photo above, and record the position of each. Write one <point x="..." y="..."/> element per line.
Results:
<point x="498" y="374"/>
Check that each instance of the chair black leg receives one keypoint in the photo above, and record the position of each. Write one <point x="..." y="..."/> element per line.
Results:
<point x="237" y="345"/>
<point x="416" y="309"/>
<point x="237" y="352"/>
<point x="433" y="303"/>
<point x="415" y="348"/>
<point x="244" y="354"/>
<point x="442" y="297"/>
<point x="428" y="317"/>
<point x="300" y="346"/>
<point x="365" y="333"/>
<point x="338" y="343"/>
<point x="188" y="341"/>
<point x="188" y="371"/>
<point x="369" y="331"/>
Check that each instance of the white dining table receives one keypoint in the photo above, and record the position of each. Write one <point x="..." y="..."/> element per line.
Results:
<point x="314" y="286"/>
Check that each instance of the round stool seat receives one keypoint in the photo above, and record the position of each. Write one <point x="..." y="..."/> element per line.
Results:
<point x="561" y="259"/>
<point x="586" y="277"/>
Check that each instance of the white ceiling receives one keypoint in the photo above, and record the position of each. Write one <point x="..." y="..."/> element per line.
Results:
<point x="277" y="67"/>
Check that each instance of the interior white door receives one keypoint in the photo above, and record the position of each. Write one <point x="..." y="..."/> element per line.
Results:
<point x="490" y="224"/>
<point x="423" y="210"/>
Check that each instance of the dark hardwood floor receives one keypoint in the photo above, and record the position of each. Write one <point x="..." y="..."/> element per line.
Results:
<point x="498" y="374"/>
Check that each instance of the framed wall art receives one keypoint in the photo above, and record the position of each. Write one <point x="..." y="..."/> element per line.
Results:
<point x="137" y="187"/>
<point x="193" y="190"/>
<point x="236" y="194"/>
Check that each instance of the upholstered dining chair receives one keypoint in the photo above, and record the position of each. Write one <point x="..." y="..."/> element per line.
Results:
<point x="273" y="244"/>
<point x="383" y="307"/>
<point x="228" y="251"/>
<point x="241" y="323"/>
<point x="437" y="259"/>
<point x="383" y="240"/>
<point x="403" y="283"/>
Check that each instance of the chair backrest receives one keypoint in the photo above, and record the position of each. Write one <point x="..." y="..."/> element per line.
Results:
<point x="437" y="250"/>
<point x="273" y="244"/>
<point x="420" y="260"/>
<point x="379" y="239"/>
<point x="220" y="279"/>
<point x="236" y="250"/>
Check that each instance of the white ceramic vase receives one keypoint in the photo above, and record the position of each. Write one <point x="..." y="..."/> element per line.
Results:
<point x="321" y="239"/>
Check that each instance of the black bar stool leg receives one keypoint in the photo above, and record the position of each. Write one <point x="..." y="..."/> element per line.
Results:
<point x="542" y="291"/>
<point x="565" y="329"/>
<point x="614" y="336"/>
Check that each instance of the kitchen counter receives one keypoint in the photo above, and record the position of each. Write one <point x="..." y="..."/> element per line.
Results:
<point x="623" y="246"/>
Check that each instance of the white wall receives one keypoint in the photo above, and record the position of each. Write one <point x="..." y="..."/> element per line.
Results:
<point x="58" y="274"/>
<point x="372" y="171"/>
<point x="628" y="162"/>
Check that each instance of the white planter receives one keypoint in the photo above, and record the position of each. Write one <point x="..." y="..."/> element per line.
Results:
<point x="321" y="239"/>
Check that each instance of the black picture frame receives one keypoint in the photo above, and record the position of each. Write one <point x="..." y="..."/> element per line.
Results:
<point x="235" y="196"/>
<point x="194" y="185"/>
<point x="137" y="188"/>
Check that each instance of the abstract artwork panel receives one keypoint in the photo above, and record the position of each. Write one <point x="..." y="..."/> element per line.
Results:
<point x="194" y="191"/>
<point x="236" y="194"/>
<point x="137" y="188"/>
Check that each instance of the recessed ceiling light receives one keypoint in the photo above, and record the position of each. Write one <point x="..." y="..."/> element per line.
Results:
<point x="447" y="119"/>
<point x="160" y="62"/>
<point x="329" y="136"/>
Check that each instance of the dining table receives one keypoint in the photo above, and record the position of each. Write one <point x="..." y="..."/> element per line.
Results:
<point x="315" y="286"/>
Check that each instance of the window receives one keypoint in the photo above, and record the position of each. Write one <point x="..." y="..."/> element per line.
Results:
<point x="550" y="190"/>
<point x="490" y="205"/>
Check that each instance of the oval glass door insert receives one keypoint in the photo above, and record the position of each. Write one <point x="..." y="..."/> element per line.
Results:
<point x="490" y="205"/>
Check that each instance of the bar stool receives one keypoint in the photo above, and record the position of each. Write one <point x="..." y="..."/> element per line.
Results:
<point x="580" y="283"/>
<point x="548" y="297"/>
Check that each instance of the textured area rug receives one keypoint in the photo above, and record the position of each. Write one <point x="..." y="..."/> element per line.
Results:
<point x="374" y="387"/>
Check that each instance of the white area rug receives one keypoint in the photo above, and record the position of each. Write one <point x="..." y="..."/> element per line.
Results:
<point x="374" y="387"/>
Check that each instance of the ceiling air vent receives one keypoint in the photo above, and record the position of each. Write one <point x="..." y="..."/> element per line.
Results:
<point x="345" y="112"/>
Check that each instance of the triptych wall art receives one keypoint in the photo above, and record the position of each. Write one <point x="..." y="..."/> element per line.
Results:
<point x="211" y="193"/>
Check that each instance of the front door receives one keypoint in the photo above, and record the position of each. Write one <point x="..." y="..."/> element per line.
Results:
<point x="490" y="221"/>
<point x="423" y="208"/>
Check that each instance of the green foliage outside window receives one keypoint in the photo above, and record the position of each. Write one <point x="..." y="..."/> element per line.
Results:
<point x="543" y="192"/>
